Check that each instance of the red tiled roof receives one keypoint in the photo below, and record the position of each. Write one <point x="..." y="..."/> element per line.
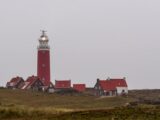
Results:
<point x="29" y="81"/>
<point x="103" y="84"/>
<point x="62" y="84"/>
<point x="14" y="81"/>
<point x="79" y="87"/>
<point x="111" y="84"/>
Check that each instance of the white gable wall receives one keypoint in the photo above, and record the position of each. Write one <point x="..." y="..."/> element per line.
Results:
<point x="120" y="89"/>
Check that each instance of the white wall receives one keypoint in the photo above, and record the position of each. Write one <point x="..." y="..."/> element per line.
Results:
<point x="120" y="89"/>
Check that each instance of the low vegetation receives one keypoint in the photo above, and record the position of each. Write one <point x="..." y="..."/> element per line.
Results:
<point x="27" y="105"/>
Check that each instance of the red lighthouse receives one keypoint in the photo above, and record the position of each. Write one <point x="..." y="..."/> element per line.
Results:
<point x="43" y="60"/>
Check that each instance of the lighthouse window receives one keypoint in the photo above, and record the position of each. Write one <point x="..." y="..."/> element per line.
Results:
<point x="43" y="65"/>
<point x="43" y="79"/>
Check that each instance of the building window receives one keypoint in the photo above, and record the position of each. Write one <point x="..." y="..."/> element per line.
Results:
<point x="123" y="91"/>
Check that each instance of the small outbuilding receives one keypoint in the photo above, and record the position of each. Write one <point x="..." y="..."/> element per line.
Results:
<point x="79" y="87"/>
<point x="62" y="84"/>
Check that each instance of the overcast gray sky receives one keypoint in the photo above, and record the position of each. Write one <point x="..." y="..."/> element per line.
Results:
<point x="89" y="39"/>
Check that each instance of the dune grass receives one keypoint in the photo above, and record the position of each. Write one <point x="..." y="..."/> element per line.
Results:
<point x="120" y="113"/>
<point x="27" y="105"/>
<point x="38" y="100"/>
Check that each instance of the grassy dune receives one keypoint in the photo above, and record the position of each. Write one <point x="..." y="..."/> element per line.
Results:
<point x="121" y="113"/>
<point x="40" y="100"/>
<point x="26" y="105"/>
